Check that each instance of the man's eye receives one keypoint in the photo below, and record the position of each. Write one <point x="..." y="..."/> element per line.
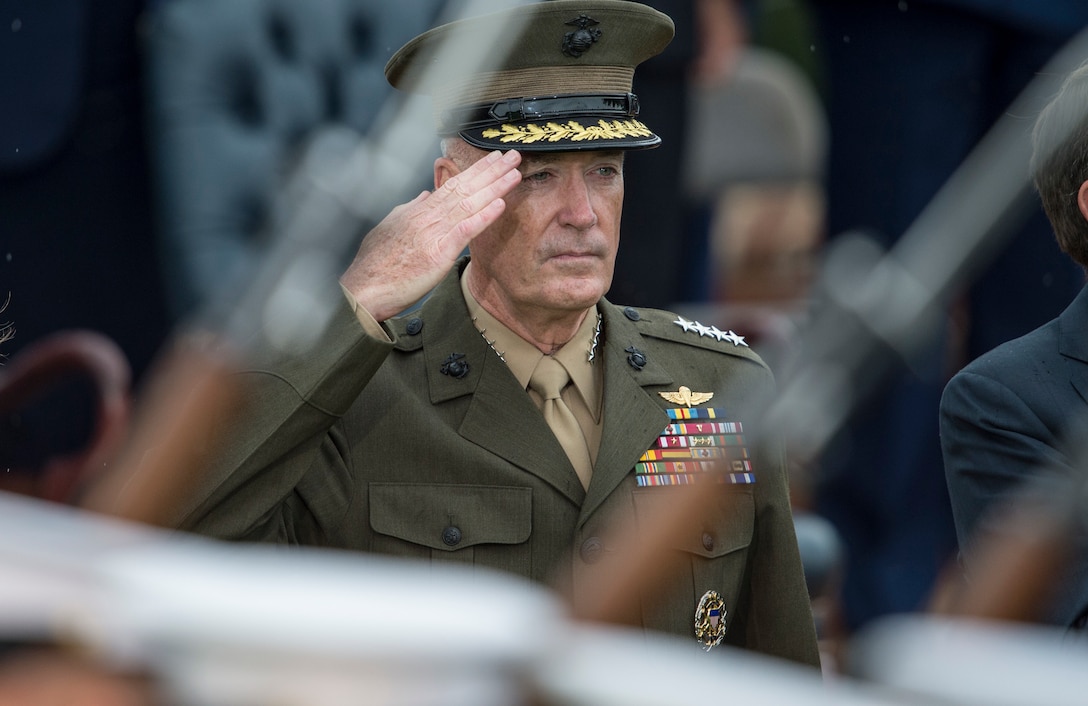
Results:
<point x="536" y="177"/>
<point x="607" y="171"/>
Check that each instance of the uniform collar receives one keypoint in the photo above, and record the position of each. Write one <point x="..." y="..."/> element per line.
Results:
<point x="522" y="357"/>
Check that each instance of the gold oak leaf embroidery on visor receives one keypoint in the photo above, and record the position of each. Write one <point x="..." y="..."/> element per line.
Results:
<point x="573" y="130"/>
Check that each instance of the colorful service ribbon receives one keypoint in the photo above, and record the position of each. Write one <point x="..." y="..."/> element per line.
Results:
<point x="692" y="452"/>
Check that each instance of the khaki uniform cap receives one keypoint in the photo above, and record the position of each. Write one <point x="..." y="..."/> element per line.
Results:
<point x="553" y="76"/>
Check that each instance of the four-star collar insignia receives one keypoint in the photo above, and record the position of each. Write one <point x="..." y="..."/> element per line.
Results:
<point x="712" y="331"/>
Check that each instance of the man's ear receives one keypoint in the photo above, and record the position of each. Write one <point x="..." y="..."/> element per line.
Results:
<point x="444" y="170"/>
<point x="1082" y="200"/>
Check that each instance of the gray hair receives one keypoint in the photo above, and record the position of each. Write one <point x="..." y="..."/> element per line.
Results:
<point x="462" y="153"/>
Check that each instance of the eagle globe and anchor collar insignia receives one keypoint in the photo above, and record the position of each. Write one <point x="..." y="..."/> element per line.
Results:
<point x="710" y="620"/>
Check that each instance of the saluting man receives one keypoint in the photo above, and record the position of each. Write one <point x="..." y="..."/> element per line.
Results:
<point x="517" y="420"/>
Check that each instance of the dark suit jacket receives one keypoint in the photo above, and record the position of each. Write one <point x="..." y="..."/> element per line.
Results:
<point x="1013" y="417"/>
<point x="367" y="445"/>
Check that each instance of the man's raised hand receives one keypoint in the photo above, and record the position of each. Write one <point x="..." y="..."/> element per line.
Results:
<point x="409" y="252"/>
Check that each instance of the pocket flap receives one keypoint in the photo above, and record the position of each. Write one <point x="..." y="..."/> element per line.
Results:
<point x="426" y="514"/>
<point x="727" y="527"/>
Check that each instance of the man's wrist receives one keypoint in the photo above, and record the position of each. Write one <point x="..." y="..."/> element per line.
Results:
<point x="370" y="324"/>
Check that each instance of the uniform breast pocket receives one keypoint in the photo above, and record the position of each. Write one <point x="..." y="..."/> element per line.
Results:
<point x="711" y="554"/>
<point x="482" y="525"/>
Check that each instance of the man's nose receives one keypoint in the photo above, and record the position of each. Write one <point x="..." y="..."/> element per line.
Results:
<point x="578" y="210"/>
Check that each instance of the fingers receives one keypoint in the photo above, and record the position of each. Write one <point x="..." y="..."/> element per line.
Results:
<point x="413" y="247"/>
<point x="472" y="200"/>
<point x="489" y="178"/>
<point x="468" y="228"/>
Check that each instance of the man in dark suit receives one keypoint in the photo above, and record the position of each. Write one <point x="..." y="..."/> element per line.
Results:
<point x="434" y="435"/>
<point x="1015" y="416"/>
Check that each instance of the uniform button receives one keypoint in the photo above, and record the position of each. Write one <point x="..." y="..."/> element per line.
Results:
<point x="415" y="325"/>
<point x="708" y="541"/>
<point x="451" y="536"/>
<point x="591" y="550"/>
<point x="631" y="313"/>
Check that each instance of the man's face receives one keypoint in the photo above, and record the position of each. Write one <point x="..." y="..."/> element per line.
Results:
<point x="554" y="248"/>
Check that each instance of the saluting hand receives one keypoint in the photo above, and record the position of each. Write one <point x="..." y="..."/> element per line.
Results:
<point x="409" y="252"/>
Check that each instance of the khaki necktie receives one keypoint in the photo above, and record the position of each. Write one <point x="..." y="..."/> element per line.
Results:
<point x="548" y="381"/>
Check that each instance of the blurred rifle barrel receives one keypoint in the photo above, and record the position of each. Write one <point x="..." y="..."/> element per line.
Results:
<point x="343" y="184"/>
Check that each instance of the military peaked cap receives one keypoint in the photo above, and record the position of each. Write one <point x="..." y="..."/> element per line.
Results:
<point x="551" y="76"/>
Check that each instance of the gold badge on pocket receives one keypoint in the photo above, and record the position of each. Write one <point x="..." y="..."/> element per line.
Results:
<point x="710" y="620"/>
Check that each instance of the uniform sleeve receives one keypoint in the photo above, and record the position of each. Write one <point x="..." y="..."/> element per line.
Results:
<point x="284" y="439"/>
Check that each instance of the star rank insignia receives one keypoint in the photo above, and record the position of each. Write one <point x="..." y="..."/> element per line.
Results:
<point x="712" y="331"/>
<point x="685" y="324"/>
<point x="732" y="338"/>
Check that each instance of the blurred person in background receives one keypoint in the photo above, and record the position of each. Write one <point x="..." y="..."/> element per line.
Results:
<point x="664" y="258"/>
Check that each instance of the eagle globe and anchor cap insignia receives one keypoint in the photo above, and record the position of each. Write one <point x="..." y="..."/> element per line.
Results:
<point x="710" y="620"/>
<point x="582" y="39"/>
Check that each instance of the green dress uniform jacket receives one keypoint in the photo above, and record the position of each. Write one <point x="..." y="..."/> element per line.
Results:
<point x="368" y="445"/>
